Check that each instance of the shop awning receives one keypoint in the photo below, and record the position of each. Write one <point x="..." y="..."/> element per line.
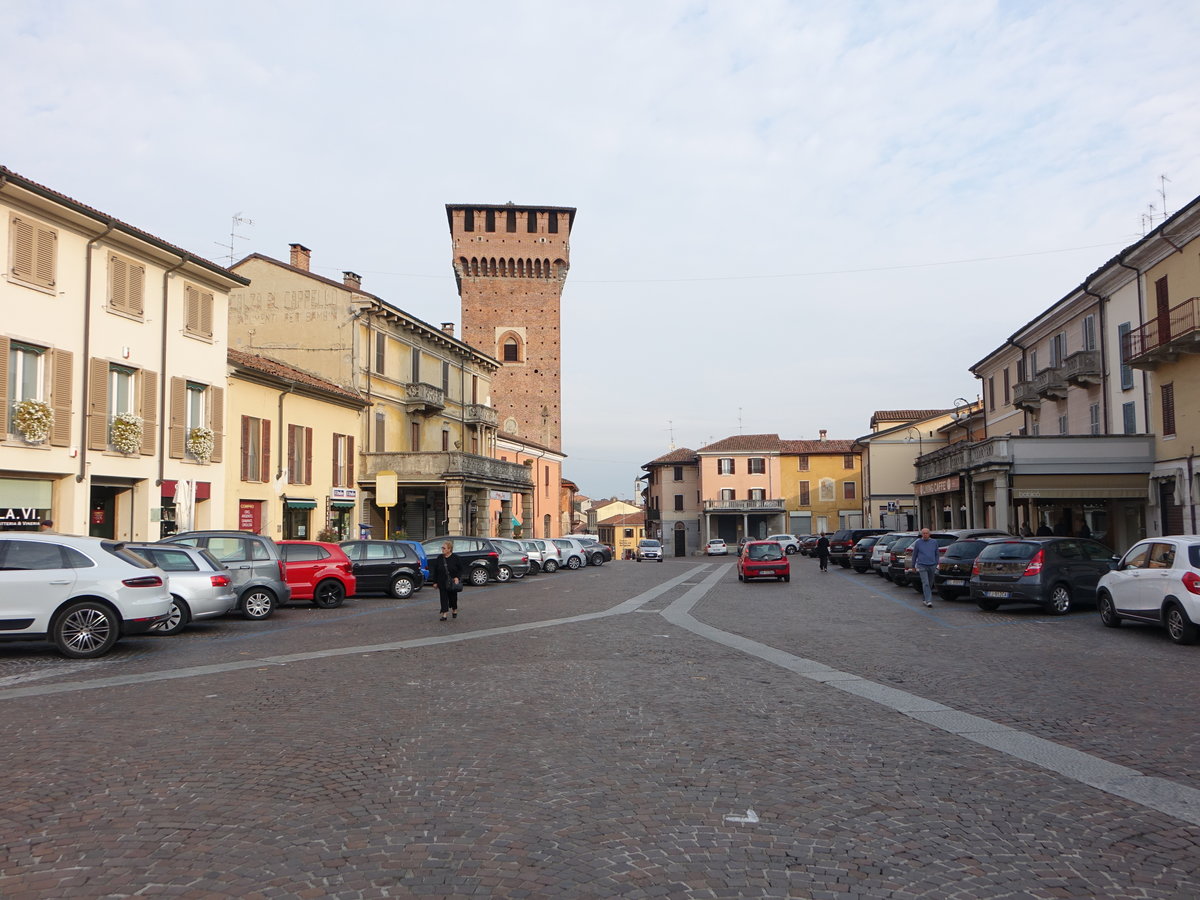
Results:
<point x="1080" y="487"/>
<point x="295" y="503"/>
<point x="342" y="504"/>
<point x="25" y="493"/>
<point x="203" y="489"/>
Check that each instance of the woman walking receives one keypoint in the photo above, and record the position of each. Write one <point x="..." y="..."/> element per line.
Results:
<point x="823" y="552"/>
<point x="446" y="569"/>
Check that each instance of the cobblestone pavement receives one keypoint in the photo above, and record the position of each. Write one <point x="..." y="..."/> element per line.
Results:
<point x="629" y="731"/>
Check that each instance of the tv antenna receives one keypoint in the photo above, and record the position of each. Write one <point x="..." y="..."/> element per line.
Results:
<point x="238" y="219"/>
<point x="671" y="432"/>
<point x="1162" y="192"/>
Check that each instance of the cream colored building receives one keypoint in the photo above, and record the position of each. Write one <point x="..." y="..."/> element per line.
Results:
<point x="121" y="337"/>
<point x="430" y="420"/>
<point x="672" y="495"/>
<point x="898" y="437"/>
<point x="292" y="452"/>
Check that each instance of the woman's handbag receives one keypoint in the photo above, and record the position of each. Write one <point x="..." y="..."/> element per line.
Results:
<point x="455" y="586"/>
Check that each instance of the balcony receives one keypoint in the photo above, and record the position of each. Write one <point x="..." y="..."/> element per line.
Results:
<point x="1164" y="338"/>
<point x="743" y="506"/>
<point x="1025" y="396"/>
<point x="961" y="456"/>
<point x="437" y="468"/>
<point x="1050" y="383"/>
<point x="1083" y="368"/>
<point x="478" y="414"/>
<point x="424" y="398"/>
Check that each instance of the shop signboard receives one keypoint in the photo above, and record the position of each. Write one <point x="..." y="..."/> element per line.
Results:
<point x="20" y="518"/>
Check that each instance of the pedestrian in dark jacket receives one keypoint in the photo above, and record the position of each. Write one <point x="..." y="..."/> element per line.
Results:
<point x="446" y="570"/>
<point x="823" y="552"/>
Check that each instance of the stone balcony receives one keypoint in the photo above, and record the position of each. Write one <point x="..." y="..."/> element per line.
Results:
<point x="742" y="506"/>
<point x="1050" y="383"/>
<point x="1025" y="396"/>
<point x="452" y="465"/>
<point x="478" y="414"/>
<point x="424" y="398"/>
<point x="1083" y="368"/>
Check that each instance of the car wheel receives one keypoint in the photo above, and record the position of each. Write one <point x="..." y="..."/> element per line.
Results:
<point x="597" y="559"/>
<point x="257" y="603"/>
<point x="479" y="576"/>
<point x="503" y="574"/>
<point x="177" y="618"/>
<point x="551" y="567"/>
<point x="1108" y="611"/>
<point x="1060" y="600"/>
<point x="534" y="568"/>
<point x="860" y="569"/>
<point x="948" y="595"/>
<point x="989" y="605"/>
<point x="402" y="587"/>
<point x="574" y="562"/>
<point x="789" y="550"/>
<point x="330" y="594"/>
<point x="1180" y="628"/>
<point x="85" y="630"/>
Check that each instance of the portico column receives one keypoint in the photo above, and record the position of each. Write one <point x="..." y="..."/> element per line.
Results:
<point x="527" y="516"/>
<point x="506" y="518"/>
<point x="1003" y="502"/>
<point x="454" y="508"/>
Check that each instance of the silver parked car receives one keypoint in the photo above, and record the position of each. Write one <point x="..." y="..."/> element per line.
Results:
<point x="514" y="559"/>
<point x="81" y="593"/>
<point x="543" y="555"/>
<point x="254" y="563"/>
<point x="574" y="554"/>
<point x="200" y="586"/>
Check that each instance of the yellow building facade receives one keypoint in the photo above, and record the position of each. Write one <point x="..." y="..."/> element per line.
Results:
<point x="822" y="484"/>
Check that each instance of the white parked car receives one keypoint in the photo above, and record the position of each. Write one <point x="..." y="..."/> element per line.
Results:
<point x="81" y="593"/>
<point x="1157" y="581"/>
<point x="789" y="542"/>
<point x="649" y="549"/>
<point x="200" y="586"/>
<point x="543" y="555"/>
<point x="716" y="547"/>
<point x="574" y="553"/>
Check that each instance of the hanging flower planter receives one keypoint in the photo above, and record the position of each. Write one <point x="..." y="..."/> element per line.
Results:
<point x="127" y="433"/>
<point x="200" y="443"/>
<point x="33" y="418"/>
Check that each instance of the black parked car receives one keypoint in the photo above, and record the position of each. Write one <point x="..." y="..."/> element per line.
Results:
<point x="391" y="567"/>
<point x="860" y="556"/>
<point x="1052" y="572"/>
<point x="843" y="542"/>
<point x="954" y="568"/>
<point x="480" y="558"/>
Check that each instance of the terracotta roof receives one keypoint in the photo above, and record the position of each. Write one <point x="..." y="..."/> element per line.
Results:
<point x="7" y="174"/>
<point x="626" y="519"/>
<point x="743" y="443"/>
<point x="812" y="447"/>
<point x="682" y="455"/>
<point x="268" y="366"/>
<point x="905" y="415"/>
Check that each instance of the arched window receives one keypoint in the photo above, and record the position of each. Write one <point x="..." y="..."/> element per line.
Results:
<point x="474" y="265"/>
<point x="503" y="267"/>
<point x="464" y="265"/>
<point x="510" y="349"/>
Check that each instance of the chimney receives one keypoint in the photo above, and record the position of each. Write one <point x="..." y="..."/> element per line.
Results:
<point x="448" y="328"/>
<point x="300" y="256"/>
<point x="352" y="280"/>
<point x="823" y="433"/>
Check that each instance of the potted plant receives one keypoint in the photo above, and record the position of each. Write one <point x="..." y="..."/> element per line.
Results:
<point x="33" y="418"/>
<point x="200" y="443"/>
<point x="127" y="433"/>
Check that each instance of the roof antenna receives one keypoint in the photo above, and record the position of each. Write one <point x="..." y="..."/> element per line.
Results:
<point x="1162" y="192"/>
<point x="233" y="235"/>
<point x="671" y="430"/>
<point x="739" y="420"/>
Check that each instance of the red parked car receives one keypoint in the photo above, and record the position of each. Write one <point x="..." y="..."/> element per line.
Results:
<point x="763" y="559"/>
<point x="318" y="572"/>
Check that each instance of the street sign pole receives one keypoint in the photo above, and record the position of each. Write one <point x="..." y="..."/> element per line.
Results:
<point x="386" y="490"/>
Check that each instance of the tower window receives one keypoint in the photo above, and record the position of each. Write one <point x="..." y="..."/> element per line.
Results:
<point x="552" y="222"/>
<point x="512" y="350"/>
<point x="489" y="220"/>
<point x="511" y="223"/>
<point x="531" y="222"/>
<point x="469" y="220"/>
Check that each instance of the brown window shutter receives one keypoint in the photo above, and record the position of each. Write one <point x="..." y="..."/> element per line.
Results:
<point x="206" y="314"/>
<point x="177" y="439"/>
<point x="46" y="260"/>
<point x="246" y="423"/>
<point x="349" y="461"/>
<point x="216" y="421"/>
<point x="149" y="412"/>
<point x="97" y="424"/>
<point x="22" y="252"/>
<point x="5" y="347"/>
<point x="334" y="459"/>
<point x="265" y="473"/>
<point x="137" y="289"/>
<point x="118" y="283"/>
<point x="293" y="476"/>
<point x="308" y="455"/>
<point x="191" y="309"/>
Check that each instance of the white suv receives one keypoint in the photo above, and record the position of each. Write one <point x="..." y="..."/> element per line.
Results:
<point x="1157" y="581"/>
<point x="82" y="593"/>
<point x="789" y="542"/>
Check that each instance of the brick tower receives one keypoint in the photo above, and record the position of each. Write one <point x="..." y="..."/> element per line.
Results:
<point x="511" y="263"/>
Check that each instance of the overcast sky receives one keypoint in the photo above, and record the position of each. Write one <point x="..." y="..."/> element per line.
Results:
<point x="790" y="214"/>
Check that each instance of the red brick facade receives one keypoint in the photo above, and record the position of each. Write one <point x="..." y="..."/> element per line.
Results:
<point x="511" y="262"/>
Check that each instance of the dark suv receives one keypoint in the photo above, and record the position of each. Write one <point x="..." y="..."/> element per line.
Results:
<point x="843" y="542"/>
<point x="1052" y="572"/>
<point x="480" y="558"/>
<point x="254" y="563"/>
<point x="391" y="567"/>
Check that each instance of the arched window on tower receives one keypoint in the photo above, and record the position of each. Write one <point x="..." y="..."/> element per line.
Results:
<point x="511" y="350"/>
<point x="560" y="269"/>
<point x="475" y="265"/>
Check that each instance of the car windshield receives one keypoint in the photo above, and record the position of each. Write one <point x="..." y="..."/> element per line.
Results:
<point x="765" y="551"/>
<point x="1013" y="550"/>
<point x="964" y="549"/>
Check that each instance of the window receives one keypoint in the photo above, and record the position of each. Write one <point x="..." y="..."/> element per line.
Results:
<point x="299" y="454"/>
<point x="725" y="466"/>
<point x="803" y="465"/>
<point x="195" y="417"/>
<point x="679" y="503"/>
<point x="510" y="223"/>
<point x="26" y="376"/>
<point x="120" y="391"/>
<point x="34" y="254"/>
<point x="628" y="532"/>
<point x="679" y="473"/>
<point x="849" y="489"/>
<point x="469" y="220"/>
<point x="489" y="220"/>
<point x="380" y="352"/>
<point x="445" y="439"/>
<point x="756" y="465"/>
<point x="1062" y="424"/>
<point x="512" y="350"/>
<point x="256" y="449"/>
<point x="380" y="432"/>
<point x="415" y="359"/>
<point x="1021" y="371"/>
<point x="531" y="222"/>
<point x="343" y="460"/>
<point x="991" y="392"/>
<point x="198" y="311"/>
<point x="23" y="376"/>
<point x="126" y="286"/>
<point x="414" y="430"/>
<point x="1089" y="333"/>
<point x="1126" y="370"/>
<point x="758" y="494"/>
<point x="728" y="494"/>
<point x="1167" y="393"/>
<point x="1007" y="388"/>
<point x="1058" y="349"/>
<point x="116" y="390"/>
<point x="847" y="460"/>
<point x="1129" y="417"/>
<point x="1035" y="429"/>
<point x="1094" y="417"/>
<point x="552" y="222"/>
<point x="1033" y="367"/>
<point x="805" y="496"/>
<point x="193" y="405"/>
<point x="446" y="379"/>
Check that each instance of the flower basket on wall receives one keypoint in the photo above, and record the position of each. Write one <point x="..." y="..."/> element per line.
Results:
<point x="127" y="433"/>
<point x="33" y="418"/>
<point x="200" y="443"/>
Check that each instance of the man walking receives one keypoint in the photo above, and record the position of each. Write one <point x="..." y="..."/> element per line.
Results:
<point x="823" y="552"/>
<point x="925" y="561"/>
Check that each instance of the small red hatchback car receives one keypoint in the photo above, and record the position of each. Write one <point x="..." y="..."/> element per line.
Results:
<point x="318" y="572"/>
<point x="763" y="559"/>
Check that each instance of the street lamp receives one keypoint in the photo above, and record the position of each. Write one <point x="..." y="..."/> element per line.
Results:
<point x="920" y="452"/>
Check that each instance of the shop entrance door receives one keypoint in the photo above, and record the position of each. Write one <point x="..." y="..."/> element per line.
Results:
<point x="102" y="514"/>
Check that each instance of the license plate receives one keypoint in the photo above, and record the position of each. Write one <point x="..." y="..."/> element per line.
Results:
<point x="766" y="571"/>
<point x="957" y="582"/>
<point x="998" y="595"/>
